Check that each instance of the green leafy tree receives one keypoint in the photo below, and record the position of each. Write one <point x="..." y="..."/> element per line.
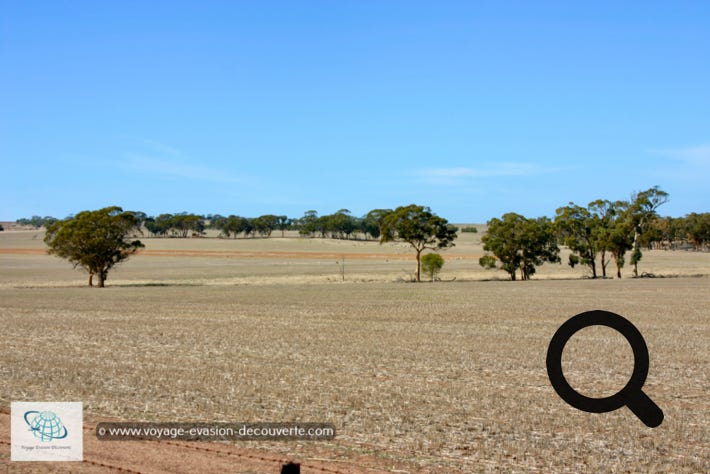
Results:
<point x="374" y="220"/>
<point x="184" y="224"/>
<point x="432" y="263"/>
<point x="420" y="228"/>
<point x="217" y="221"/>
<point x="698" y="229"/>
<point x="341" y="225"/>
<point x="94" y="240"/>
<point x="617" y="238"/>
<point x="284" y="224"/>
<point x="230" y="226"/>
<point x="159" y="226"/>
<point x="641" y="211"/>
<point x="308" y="223"/>
<point x="578" y="228"/>
<point x="266" y="224"/>
<point x="519" y="244"/>
<point x="37" y="221"/>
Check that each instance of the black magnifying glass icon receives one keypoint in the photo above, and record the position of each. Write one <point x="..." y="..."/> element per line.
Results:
<point x="631" y="395"/>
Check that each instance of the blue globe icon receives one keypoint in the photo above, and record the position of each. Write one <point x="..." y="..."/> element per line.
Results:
<point x="45" y="425"/>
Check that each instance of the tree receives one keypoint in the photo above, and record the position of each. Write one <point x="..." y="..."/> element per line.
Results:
<point x="577" y="226"/>
<point x="266" y="224"/>
<point x="341" y="225"/>
<point x="617" y="238"/>
<point x="283" y="224"/>
<point x="420" y="228"/>
<point x="520" y="244"/>
<point x="308" y="223"/>
<point x="183" y="224"/>
<point x="698" y="229"/>
<point x="374" y="220"/>
<point x="642" y="209"/>
<point x="94" y="240"/>
<point x="159" y="225"/>
<point x="432" y="264"/>
<point x="37" y="221"/>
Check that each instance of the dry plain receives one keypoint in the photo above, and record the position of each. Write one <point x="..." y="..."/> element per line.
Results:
<point x="442" y="377"/>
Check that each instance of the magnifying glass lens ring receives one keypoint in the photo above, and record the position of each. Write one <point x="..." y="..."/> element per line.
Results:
<point x="597" y="318"/>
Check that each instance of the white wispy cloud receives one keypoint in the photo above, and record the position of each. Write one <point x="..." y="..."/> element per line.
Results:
<point x="695" y="156"/>
<point x="160" y="160"/>
<point x="457" y="174"/>
<point x="176" y="168"/>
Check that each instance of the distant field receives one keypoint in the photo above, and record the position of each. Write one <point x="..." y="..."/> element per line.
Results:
<point x="445" y="377"/>
<point x="292" y="259"/>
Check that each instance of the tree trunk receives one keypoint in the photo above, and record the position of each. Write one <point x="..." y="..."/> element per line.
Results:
<point x="102" y="278"/>
<point x="91" y="278"/>
<point x="419" y="265"/>
<point x="635" y="247"/>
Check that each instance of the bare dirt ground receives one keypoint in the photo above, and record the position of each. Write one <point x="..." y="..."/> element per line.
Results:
<point x="445" y="377"/>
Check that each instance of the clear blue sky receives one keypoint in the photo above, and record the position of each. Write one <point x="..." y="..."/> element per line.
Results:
<point x="473" y="108"/>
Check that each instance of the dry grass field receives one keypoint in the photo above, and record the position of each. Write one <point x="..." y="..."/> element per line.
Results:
<point x="443" y="377"/>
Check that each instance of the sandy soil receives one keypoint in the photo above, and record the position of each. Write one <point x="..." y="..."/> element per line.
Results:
<point x="446" y="377"/>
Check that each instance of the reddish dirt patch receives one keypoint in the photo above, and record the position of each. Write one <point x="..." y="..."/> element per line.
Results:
<point x="24" y="251"/>
<point x="252" y="254"/>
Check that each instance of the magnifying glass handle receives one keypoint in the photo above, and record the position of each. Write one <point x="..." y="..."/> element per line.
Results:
<point x="643" y="407"/>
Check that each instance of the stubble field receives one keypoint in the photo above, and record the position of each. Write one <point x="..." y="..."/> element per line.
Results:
<point x="443" y="377"/>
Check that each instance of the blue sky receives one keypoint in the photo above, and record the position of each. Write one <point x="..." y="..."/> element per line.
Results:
<point x="473" y="108"/>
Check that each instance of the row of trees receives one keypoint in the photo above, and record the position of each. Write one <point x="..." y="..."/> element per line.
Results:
<point x="263" y="226"/>
<point x="339" y="225"/>
<point x="37" y="221"/>
<point x="413" y="224"/>
<point x="96" y="241"/>
<point x="671" y="233"/>
<point x="175" y="225"/>
<point x="596" y="234"/>
<point x="607" y="217"/>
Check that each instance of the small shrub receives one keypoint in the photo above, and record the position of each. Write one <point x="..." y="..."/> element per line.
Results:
<point x="432" y="264"/>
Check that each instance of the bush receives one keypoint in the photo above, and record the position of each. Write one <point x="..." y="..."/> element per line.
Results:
<point x="472" y="230"/>
<point x="432" y="264"/>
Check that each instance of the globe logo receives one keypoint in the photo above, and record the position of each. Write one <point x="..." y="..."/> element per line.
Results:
<point x="45" y="425"/>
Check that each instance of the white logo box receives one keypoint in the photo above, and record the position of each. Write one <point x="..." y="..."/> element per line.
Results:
<point x="46" y="431"/>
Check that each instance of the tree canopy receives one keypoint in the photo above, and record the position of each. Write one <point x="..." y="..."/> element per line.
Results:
<point x="420" y="228"/>
<point x="641" y="211"/>
<point x="94" y="240"/>
<point x="520" y="244"/>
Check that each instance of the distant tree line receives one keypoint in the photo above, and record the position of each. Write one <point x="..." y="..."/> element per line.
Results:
<point x="173" y="225"/>
<point x="96" y="241"/>
<point x="339" y="225"/>
<point x="597" y="234"/>
<point x="37" y="221"/>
